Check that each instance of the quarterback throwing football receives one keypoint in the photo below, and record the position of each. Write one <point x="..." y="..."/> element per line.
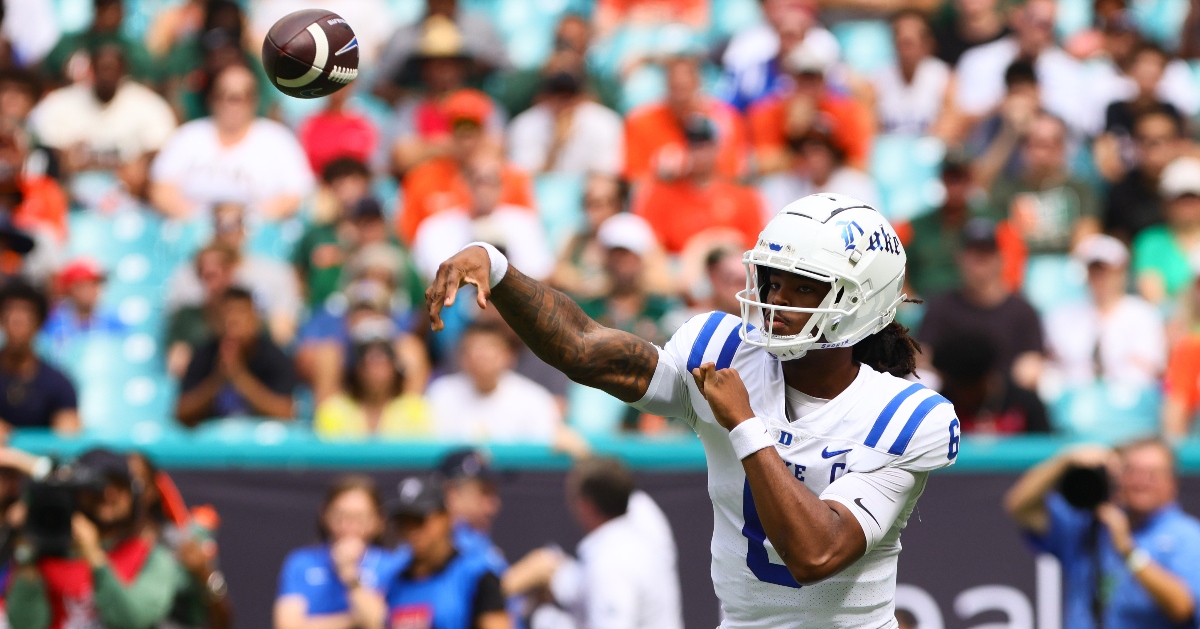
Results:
<point x="817" y="447"/>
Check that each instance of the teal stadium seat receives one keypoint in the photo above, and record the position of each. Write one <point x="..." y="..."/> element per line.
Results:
<point x="1053" y="280"/>
<point x="731" y="16"/>
<point x="594" y="412"/>
<point x="866" y="44"/>
<point x="560" y="205"/>
<point x="906" y="168"/>
<point x="1160" y="20"/>
<point x="1108" y="413"/>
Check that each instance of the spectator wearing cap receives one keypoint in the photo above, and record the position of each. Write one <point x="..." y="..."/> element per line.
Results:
<point x="62" y="62"/>
<point x="1064" y="91"/>
<point x="116" y="576"/>
<point x="373" y="401"/>
<point x="231" y="156"/>
<point x="337" y="132"/>
<point x="820" y="167"/>
<point x="1134" y="202"/>
<point x="424" y="121"/>
<point x="714" y="202"/>
<point x="38" y="395"/>
<point x="519" y="89"/>
<point x="441" y="183"/>
<point x="339" y="582"/>
<point x="628" y="240"/>
<point x="1049" y="207"/>
<point x="110" y="124"/>
<point x="239" y="373"/>
<point x="191" y="326"/>
<point x="273" y="282"/>
<point x="936" y="238"/>
<point x="984" y="305"/>
<point x="625" y="575"/>
<point x="1090" y="341"/>
<point x="566" y="133"/>
<point x="1163" y="254"/>
<point x="754" y="58"/>
<point x="80" y="314"/>
<point x="477" y="34"/>
<point x="486" y="401"/>
<point x="910" y="95"/>
<point x="517" y="230"/>
<point x="436" y="584"/>
<point x="321" y="252"/>
<point x="656" y="139"/>
<point x="472" y="497"/>
<point x="985" y="398"/>
<point x="779" y="121"/>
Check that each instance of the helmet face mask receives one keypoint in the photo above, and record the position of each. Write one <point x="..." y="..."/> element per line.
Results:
<point x="864" y="268"/>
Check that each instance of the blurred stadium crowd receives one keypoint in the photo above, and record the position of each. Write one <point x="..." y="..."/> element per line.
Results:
<point x="182" y="243"/>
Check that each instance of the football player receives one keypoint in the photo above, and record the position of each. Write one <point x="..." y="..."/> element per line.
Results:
<point x="817" y="446"/>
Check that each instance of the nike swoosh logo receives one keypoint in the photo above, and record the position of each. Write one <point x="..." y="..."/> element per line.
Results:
<point x="858" y="501"/>
<point x="826" y="454"/>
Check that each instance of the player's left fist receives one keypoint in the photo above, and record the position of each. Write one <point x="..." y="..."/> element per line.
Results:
<point x="726" y="394"/>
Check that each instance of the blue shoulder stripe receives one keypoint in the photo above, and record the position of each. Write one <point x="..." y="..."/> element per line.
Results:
<point x="732" y="342"/>
<point x="701" y="342"/>
<point x="888" y="411"/>
<point x="914" y="422"/>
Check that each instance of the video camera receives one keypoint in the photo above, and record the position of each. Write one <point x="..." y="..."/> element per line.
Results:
<point x="52" y="501"/>
<point x="1084" y="488"/>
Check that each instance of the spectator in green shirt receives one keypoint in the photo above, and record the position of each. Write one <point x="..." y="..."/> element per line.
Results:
<point x="105" y="29"/>
<point x="937" y="236"/>
<point x="322" y="250"/>
<point x="1164" y="256"/>
<point x="628" y="306"/>
<point x="1048" y="207"/>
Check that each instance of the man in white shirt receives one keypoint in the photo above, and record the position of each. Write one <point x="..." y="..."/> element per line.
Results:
<point x="1114" y="336"/>
<point x="231" y="156"/>
<point x="112" y="125"/>
<point x="625" y="576"/>
<point x="567" y="133"/>
<point x="514" y="229"/>
<point x="487" y="402"/>
<point x="1062" y="79"/>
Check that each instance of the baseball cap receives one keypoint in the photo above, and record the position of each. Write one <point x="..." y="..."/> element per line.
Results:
<point x="466" y="463"/>
<point x="626" y="231"/>
<point x="366" y="207"/>
<point x="1180" y="177"/>
<point x="956" y="161"/>
<point x="562" y="82"/>
<point x="468" y="105"/>
<point x="105" y="463"/>
<point x="440" y="39"/>
<point x="1099" y="248"/>
<point x="417" y="496"/>
<point x="979" y="233"/>
<point x="810" y="58"/>
<point x="80" y="270"/>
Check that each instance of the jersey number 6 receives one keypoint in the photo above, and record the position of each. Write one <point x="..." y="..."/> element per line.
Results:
<point x="756" y="550"/>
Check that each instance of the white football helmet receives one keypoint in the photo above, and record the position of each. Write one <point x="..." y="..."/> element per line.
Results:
<point x="831" y="238"/>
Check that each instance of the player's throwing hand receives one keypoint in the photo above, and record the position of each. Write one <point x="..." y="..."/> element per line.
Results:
<point x="469" y="266"/>
<point x="726" y="394"/>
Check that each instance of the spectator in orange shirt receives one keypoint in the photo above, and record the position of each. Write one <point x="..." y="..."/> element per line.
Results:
<point x="439" y="184"/>
<point x="423" y="120"/>
<point x="1181" y="388"/>
<point x="778" y="122"/>
<point x="703" y="200"/>
<point x="654" y="134"/>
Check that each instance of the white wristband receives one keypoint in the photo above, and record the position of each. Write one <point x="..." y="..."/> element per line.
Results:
<point x="749" y="437"/>
<point x="496" y="259"/>
<point x="1138" y="560"/>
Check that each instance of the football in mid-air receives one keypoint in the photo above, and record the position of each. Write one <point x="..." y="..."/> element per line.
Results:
<point x="310" y="53"/>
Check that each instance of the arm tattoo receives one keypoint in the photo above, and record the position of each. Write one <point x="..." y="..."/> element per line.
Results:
<point x="557" y="330"/>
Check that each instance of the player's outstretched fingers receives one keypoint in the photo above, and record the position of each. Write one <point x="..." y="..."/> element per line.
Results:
<point x="441" y="293"/>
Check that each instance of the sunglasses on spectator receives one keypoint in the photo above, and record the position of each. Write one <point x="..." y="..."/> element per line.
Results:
<point x="234" y="97"/>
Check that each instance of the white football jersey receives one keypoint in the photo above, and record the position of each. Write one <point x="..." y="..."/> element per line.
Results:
<point x="880" y="427"/>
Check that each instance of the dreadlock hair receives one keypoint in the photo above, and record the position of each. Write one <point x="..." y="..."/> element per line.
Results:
<point x="890" y="350"/>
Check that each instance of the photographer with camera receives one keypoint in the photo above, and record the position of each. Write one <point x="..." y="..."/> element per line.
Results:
<point x="1129" y="560"/>
<point x="82" y="560"/>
